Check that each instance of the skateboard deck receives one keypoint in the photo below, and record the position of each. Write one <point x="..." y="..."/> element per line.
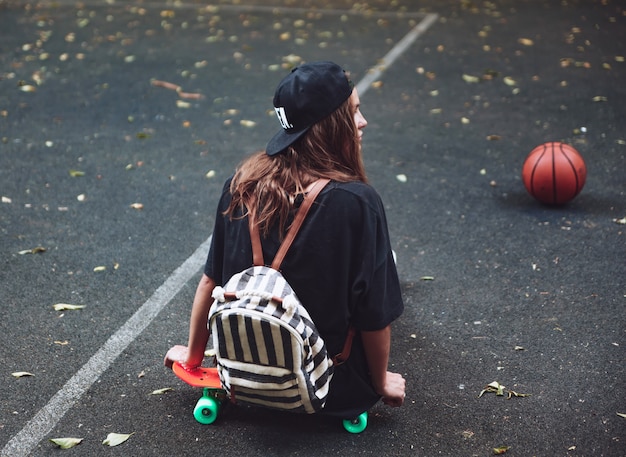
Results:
<point x="198" y="377"/>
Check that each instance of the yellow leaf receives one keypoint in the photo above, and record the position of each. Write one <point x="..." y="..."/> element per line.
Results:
<point x="501" y="449"/>
<point x="515" y="394"/>
<point x="67" y="307"/>
<point x="114" y="439"/>
<point x="76" y="173"/>
<point x="509" y="81"/>
<point x="526" y="41"/>
<point x="161" y="391"/>
<point x="247" y="123"/>
<point x="66" y="443"/>
<point x="427" y="278"/>
<point x="99" y="269"/>
<point x="470" y="79"/>
<point x="21" y="374"/>
<point x="36" y="250"/>
<point x="600" y="98"/>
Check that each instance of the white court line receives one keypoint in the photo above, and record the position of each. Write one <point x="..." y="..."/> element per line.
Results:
<point x="395" y="52"/>
<point x="49" y="416"/>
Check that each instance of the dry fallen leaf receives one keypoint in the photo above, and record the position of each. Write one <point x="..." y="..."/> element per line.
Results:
<point x="509" y="81"/>
<point x="165" y="84"/>
<point x="526" y="41"/>
<point x="66" y="443"/>
<point x="67" y="307"/>
<point x="99" y="268"/>
<point x="500" y="450"/>
<point x="470" y="79"/>
<point x="114" y="439"/>
<point x="36" y="250"/>
<point x="499" y="389"/>
<point x="136" y="206"/>
<point x="512" y="393"/>
<point x="76" y="173"/>
<point x="21" y="374"/>
<point x="190" y="95"/>
<point x="161" y="391"/>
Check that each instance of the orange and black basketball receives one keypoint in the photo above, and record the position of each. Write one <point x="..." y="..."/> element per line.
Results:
<point x="554" y="173"/>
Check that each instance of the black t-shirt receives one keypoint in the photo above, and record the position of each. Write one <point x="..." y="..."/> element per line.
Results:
<point x="340" y="266"/>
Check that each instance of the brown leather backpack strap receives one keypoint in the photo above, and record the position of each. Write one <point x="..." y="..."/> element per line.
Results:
<point x="298" y="220"/>
<point x="347" y="347"/>
<point x="255" y="237"/>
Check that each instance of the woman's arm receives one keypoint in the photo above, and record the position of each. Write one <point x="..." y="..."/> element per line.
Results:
<point x="391" y="386"/>
<point x="192" y="354"/>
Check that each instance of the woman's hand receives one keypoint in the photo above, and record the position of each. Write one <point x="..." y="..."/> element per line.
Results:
<point x="393" y="391"/>
<point x="176" y="354"/>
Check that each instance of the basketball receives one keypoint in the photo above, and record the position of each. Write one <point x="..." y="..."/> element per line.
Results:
<point x="554" y="173"/>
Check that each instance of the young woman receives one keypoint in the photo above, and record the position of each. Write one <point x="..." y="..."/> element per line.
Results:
<point x="340" y="264"/>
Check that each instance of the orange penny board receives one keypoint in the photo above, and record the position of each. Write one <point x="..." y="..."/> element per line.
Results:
<point x="198" y="377"/>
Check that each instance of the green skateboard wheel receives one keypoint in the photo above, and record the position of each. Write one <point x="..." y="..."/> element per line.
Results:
<point x="206" y="410"/>
<point x="356" y="425"/>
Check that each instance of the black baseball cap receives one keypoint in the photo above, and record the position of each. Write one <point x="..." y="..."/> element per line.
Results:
<point x="310" y="93"/>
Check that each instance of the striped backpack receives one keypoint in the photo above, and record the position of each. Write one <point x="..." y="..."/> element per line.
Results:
<point x="267" y="348"/>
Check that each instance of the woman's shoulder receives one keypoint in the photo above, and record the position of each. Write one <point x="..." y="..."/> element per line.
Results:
<point x="347" y="194"/>
<point x="355" y="189"/>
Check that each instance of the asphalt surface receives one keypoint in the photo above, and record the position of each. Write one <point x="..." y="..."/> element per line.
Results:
<point x="497" y="286"/>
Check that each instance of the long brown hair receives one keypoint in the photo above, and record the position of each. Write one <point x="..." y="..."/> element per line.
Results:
<point x="264" y="186"/>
